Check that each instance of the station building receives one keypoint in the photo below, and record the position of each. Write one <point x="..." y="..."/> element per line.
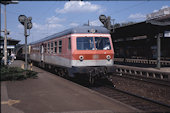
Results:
<point x="11" y="45"/>
<point x="139" y="40"/>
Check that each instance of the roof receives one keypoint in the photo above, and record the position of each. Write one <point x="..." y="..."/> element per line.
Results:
<point x="79" y="29"/>
<point x="10" y="39"/>
<point x="140" y="29"/>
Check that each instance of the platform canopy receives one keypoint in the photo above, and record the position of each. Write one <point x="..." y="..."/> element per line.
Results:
<point x="148" y="27"/>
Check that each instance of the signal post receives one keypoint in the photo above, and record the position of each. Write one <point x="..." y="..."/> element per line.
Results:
<point x="27" y="25"/>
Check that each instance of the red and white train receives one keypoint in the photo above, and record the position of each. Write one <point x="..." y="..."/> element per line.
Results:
<point x="81" y="50"/>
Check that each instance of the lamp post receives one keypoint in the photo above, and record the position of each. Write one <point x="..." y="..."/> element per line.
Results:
<point x="5" y="31"/>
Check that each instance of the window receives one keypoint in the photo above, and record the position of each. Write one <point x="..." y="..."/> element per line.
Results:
<point x="51" y="47"/>
<point x="69" y="43"/>
<point x="55" y="47"/>
<point x="85" y="43"/>
<point x="48" y="47"/>
<point x="60" y="46"/>
<point x="102" y="43"/>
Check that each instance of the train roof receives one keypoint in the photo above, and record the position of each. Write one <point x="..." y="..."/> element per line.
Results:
<point x="78" y="29"/>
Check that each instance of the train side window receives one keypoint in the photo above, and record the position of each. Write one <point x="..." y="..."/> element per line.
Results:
<point x="55" y="46"/>
<point x="51" y="47"/>
<point x="48" y="47"/>
<point x="60" y="46"/>
<point x="69" y="43"/>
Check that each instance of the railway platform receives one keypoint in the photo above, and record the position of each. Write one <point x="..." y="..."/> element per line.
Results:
<point x="50" y="93"/>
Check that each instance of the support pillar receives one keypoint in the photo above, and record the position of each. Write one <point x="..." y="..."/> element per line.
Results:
<point x="159" y="50"/>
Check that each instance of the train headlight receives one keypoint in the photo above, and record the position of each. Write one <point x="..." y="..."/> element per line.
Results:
<point x="81" y="57"/>
<point x="108" y="57"/>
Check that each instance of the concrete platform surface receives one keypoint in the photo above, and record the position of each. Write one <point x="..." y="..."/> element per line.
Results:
<point x="52" y="94"/>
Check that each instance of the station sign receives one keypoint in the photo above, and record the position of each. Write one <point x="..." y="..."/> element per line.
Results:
<point x="158" y="14"/>
<point x="167" y="34"/>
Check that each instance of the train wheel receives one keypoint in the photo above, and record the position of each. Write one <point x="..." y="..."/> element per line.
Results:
<point x="56" y="70"/>
<point x="91" y="79"/>
<point x="66" y="73"/>
<point x="62" y="74"/>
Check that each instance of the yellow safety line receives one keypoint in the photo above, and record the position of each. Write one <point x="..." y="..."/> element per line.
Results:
<point x="10" y="102"/>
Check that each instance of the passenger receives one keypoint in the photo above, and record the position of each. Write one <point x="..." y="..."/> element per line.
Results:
<point x="13" y="57"/>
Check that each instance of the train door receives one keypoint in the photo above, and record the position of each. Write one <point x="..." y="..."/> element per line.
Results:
<point x="69" y="49"/>
<point x="42" y="53"/>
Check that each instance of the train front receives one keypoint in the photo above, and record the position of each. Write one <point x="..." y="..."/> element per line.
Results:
<point x="92" y="53"/>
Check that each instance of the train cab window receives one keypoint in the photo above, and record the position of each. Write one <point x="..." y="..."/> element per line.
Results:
<point x="102" y="43"/>
<point x="55" y="47"/>
<point x="85" y="43"/>
<point x="48" y="47"/>
<point x="60" y="46"/>
<point x="69" y="43"/>
<point x="51" y="47"/>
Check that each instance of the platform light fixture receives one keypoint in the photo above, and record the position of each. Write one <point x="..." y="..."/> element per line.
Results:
<point x="5" y="2"/>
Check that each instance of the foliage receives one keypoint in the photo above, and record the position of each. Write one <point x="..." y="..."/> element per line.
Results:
<point x="16" y="73"/>
<point x="1" y="37"/>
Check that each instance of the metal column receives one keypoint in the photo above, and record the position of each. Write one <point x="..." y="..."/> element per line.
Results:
<point x="158" y="51"/>
<point x="25" y="33"/>
<point x="5" y="41"/>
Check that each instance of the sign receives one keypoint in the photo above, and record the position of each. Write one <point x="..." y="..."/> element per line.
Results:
<point x="167" y="34"/>
<point x="8" y="47"/>
<point x="160" y="13"/>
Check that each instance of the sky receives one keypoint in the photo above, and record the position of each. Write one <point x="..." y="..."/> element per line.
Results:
<point x="49" y="17"/>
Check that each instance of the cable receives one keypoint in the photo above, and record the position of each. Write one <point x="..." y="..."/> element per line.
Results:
<point x="126" y="9"/>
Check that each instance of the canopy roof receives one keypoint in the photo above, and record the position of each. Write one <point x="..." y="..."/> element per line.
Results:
<point x="151" y="27"/>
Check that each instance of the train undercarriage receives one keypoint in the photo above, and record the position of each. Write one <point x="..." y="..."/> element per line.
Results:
<point x="92" y="73"/>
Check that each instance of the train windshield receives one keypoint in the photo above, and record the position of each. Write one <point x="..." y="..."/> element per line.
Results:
<point x="85" y="43"/>
<point x="102" y="43"/>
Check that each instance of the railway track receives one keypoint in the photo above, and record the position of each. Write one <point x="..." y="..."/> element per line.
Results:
<point x="144" y="79"/>
<point x="139" y="102"/>
<point x="142" y="103"/>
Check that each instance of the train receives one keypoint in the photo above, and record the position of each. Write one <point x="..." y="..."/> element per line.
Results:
<point x="79" y="51"/>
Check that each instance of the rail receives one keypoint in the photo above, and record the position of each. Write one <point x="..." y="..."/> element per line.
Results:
<point x="142" y="72"/>
<point x="140" y="102"/>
